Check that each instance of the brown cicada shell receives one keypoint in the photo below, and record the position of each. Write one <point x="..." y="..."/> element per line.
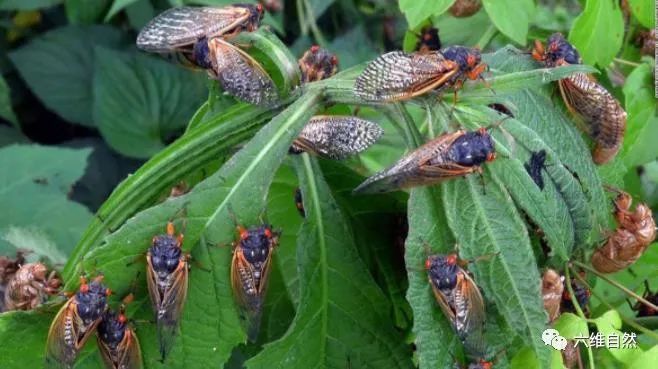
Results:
<point x="167" y="276"/>
<point x="117" y="342"/>
<point x="552" y="288"/>
<point x="635" y="232"/>
<point x="603" y="117"/>
<point x="450" y="155"/>
<point x="75" y="322"/>
<point x="397" y="76"/>
<point x="571" y="356"/>
<point x="250" y="270"/>
<point x="336" y="137"/>
<point x="465" y="8"/>
<point x="30" y="287"/>
<point x="317" y="64"/>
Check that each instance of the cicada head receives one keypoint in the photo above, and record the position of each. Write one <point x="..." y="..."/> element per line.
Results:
<point x="534" y="167"/>
<point x="442" y="270"/>
<point x="559" y="51"/>
<point x="256" y="13"/>
<point x="112" y="329"/>
<point x="165" y="253"/>
<point x="256" y="244"/>
<point x="472" y="148"/>
<point x="91" y="300"/>
<point x="481" y="364"/>
<point x="317" y="64"/>
<point x="468" y="59"/>
<point x="644" y="309"/>
<point x="428" y="40"/>
<point x="117" y="342"/>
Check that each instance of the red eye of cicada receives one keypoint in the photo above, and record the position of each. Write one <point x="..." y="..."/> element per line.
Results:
<point x="451" y="259"/>
<point x="315" y="49"/>
<point x="268" y="233"/>
<point x="428" y="264"/>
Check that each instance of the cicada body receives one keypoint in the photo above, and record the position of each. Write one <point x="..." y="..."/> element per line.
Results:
<point x="552" y="288"/>
<point x="299" y="202"/>
<point x="603" y="117"/>
<point x="167" y="275"/>
<point x="465" y="8"/>
<point x="459" y="298"/>
<point x="644" y="310"/>
<point x="534" y="167"/>
<point x="428" y="40"/>
<point x="74" y="324"/>
<point x="397" y="76"/>
<point x="317" y="64"/>
<point x="30" y="287"/>
<point x="250" y="268"/>
<point x="179" y="29"/>
<point x="448" y="156"/>
<point x="581" y="294"/>
<point x="336" y="137"/>
<point x="118" y="343"/>
<point x="501" y="108"/>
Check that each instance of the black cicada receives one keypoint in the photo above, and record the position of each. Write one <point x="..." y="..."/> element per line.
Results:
<point x="317" y="64"/>
<point x="299" y="202"/>
<point x="399" y="76"/>
<point x="167" y="278"/>
<point x="604" y="118"/>
<point x="535" y="165"/>
<point x="336" y="137"/>
<point x="459" y="298"/>
<point x="428" y="40"/>
<point x="581" y="294"/>
<point x="644" y="309"/>
<point x="117" y="342"/>
<point x="75" y="322"/>
<point x="250" y="268"/>
<point x="448" y="156"/>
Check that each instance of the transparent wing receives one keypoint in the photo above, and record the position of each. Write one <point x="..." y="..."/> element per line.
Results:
<point x="131" y="354"/>
<point x="179" y="27"/>
<point x="337" y="137"/>
<point x="171" y="307"/>
<point x="400" y="76"/>
<point x="240" y="75"/>
<point x="59" y="352"/>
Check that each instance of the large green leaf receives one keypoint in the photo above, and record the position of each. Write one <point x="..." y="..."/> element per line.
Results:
<point x="27" y="4"/>
<point x="341" y="317"/>
<point x="37" y="214"/>
<point x="644" y="11"/>
<point x="511" y="17"/>
<point x="6" y="111"/>
<point x="416" y="11"/>
<point x="85" y="11"/>
<point x="642" y="125"/>
<point x="598" y="32"/>
<point x="59" y="65"/>
<point x="117" y="6"/>
<point x="141" y="102"/>
<point x="211" y="326"/>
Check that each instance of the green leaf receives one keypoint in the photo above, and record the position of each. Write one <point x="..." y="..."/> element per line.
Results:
<point x="644" y="11"/>
<point x="330" y="329"/>
<point x="140" y="102"/>
<point x="511" y="17"/>
<point x="598" y="32"/>
<point x="6" y="111"/>
<point x="117" y="6"/>
<point x="611" y="323"/>
<point x="27" y="4"/>
<point x="642" y="123"/>
<point x="571" y="326"/>
<point x="490" y="224"/>
<point x="416" y="11"/>
<point x="37" y="215"/>
<point x="10" y="135"/>
<point x="58" y="67"/>
<point x="207" y="336"/>
<point x="85" y="11"/>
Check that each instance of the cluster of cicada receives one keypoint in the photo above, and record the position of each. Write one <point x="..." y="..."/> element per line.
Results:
<point x="636" y="230"/>
<point x="24" y="286"/>
<point x="200" y="37"/>
<point x="602" y="116"/>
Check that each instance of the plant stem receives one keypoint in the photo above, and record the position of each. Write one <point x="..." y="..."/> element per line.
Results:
<point x="486" y="37"/>
<point x="626" y="62"/>
<point x="579" y="310"/>
<point x="310" y="17"/>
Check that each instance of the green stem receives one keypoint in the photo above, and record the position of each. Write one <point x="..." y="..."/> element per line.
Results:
<point x="486" y="37"/>
<point x="303" y="26"/>
<point x="317" y="34"/>
<point x="626" y="62"/>
<point x="579" y="310"/>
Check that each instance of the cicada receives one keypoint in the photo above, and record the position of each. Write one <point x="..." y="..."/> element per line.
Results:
<point x="428" y="40"/>
<point x="534" y="167"/>
<point x="635" y="232"/>
<point x="642" y="309"/>
<point x="317" y="64"/>
<point x="30" y="287"/>
<point x="336" y="137"/>
<point x="272" y="6"/>
<point x="299" y="202"/>
<point x="501" y="108"/>
<point x="458" y="296"/>
<point x="117" y="342"/>
<point x="448" y="156"/>
<point x="603" y="117"/>
<point x="399" y="76"/>
<point x="75" y="322"/>
<point x="581" y="294"/>
<point x="465" y="8"/>
<point x="250" y="268"/>
<point x="552" y="287"/>
<point x="167" y="279"/>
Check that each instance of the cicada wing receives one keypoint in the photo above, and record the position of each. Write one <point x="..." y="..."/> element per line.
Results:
<point x="183" y="26"/>
<point x="423" y="166"/>
<point x="249" y="290"/>
<point x="337" y="137"/>
<point x="444" y="304"/>
<point x="60" y="350"/>
<point x="152" y="284"/>
<point x="399" y="76"/>
<point x="131" y="354"/>
<point x="171" y="308"/>
<point x="241" y="75"/>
